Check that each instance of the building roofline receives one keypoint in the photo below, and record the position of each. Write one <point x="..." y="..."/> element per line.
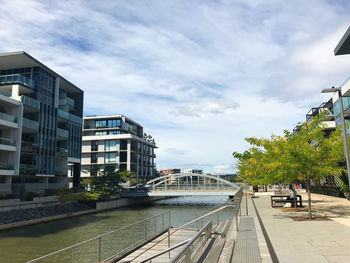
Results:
<point x="40" y="64"/>
<point x="95" y="117"/>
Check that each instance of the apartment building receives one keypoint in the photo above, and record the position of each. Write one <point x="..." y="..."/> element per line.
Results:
<point x="118" y="143"/>
<point x="193" y="171"/>
<point x="170" y="171"/>
<point x="41" y="116"/>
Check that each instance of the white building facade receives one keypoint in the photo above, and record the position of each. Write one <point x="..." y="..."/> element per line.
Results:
<point x="118" y="143"/>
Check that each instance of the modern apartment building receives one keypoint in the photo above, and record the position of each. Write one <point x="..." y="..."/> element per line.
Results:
<point x="170" y="171"/>
<point x="193" y="171"/>
<point x="119" y="143"/>
<point x="40" y="126"/>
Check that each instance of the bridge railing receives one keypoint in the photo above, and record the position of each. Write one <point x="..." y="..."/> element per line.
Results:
<point x="191" y="187"/>
<point x="110" y="245"/>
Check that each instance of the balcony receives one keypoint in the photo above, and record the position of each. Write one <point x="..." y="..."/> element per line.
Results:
<point x="8" y="117"/>
<point x="5" y="93"/>
<point x="29" y="147"/>
<point x="61" y="152"/>
<point x="69" y="117"/>
<point x="6" y="141"/>
<point x="30" y="124"/>
<point x="61" y="170"/>
<point x="6" y="166"/>
<point x="29" y="102"/>
<point x="27" y="169"/>
<point x="62" y="133"/>
<point x="17" y="79"/>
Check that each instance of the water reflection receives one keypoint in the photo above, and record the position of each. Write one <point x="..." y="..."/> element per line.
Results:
<point x="41" y="239"/>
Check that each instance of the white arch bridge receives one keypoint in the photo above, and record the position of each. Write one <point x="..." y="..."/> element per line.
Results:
<point x="184" y="184"/>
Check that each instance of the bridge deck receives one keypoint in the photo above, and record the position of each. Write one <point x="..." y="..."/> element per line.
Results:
<point x="180" y="193"/>
<point x="159" y="244"/>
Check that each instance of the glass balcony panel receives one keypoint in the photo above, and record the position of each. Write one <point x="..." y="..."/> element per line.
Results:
<point x="62" y="133"/>
<point x="7" y="141"/>
<point x="16" y="79"/>
<point x="30" y="124"/>
<point x="6" y="166"/>
<point x="70" y="102"/>
<point x="8" y="117"/>
<point x="33" y="103"/>
<point x="5" y="93"/>
<point x="69" y="117"/>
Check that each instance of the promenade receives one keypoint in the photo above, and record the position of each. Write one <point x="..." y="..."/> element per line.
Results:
<point x="324" y="239"/>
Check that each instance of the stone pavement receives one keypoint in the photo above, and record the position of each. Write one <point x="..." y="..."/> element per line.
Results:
<point x="308" y="241"/>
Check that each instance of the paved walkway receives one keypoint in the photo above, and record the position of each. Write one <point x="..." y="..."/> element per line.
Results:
<point x="308" y="241"/>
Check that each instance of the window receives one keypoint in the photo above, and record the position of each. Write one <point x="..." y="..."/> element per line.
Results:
<point x="110" y="157"/>
<point x="111" y="145"/>
<point x="94" y="145"/>
<point x="101" y="133"/>
<point x="94" y="158"/>
<point x="101" y="124"/>
<point x="113" y="123"/>
<point x="115" y="132"/>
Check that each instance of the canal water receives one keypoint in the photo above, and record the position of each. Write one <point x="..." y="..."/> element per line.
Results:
<point x="26" y="243"/>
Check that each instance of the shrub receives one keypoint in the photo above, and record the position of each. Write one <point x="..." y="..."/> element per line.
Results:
<point x="50" y="192"/>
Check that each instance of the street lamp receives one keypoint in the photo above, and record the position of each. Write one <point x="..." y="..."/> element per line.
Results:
<point x="346" y="146"/>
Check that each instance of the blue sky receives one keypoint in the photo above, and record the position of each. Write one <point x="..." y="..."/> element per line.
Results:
<point x="200" y="76"/>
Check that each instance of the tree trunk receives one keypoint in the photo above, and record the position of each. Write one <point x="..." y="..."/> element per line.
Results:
<point x="295" y="196"/>
<point x="309" y="198"/>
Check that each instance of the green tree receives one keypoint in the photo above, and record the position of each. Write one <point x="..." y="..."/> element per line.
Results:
<point x="307" y="155"/>
<point x="107" y="182"/>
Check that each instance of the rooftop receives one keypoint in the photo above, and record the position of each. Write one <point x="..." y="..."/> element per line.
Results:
<point x="21" y="59"/>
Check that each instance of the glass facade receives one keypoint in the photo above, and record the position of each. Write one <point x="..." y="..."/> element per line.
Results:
<point x="110" y="157"/>
<point x="111" y="145"/>
<point x="336" y="106"/>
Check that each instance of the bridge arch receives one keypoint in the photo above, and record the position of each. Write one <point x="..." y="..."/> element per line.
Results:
<point x="177" y="182"/>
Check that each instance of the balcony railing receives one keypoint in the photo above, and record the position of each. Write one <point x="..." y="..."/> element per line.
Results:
<point x="16" y="79"/>
<point x="6" y="166"/>
<point x="29" y="147"/>
<point x="62" y="133"/>
<point x="30" y="124"/>
<point x="70" y="102"/>
<point x="69" y="117"/>
<point x="8" y="117"/>
<point x="27" y="169"/>
<point x="5" y="93"/>
<point x="7" y="141"/>
<point x="27" y="101"/>
<point x="61" y="152"/>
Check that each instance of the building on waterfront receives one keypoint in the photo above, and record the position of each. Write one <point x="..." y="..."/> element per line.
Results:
<point x="193" y="171"/>
<point x="170" y="171"/>
<point x="40" y="126"/>
<point x="119" y="143"/>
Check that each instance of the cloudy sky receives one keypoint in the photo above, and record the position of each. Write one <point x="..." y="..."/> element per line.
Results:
<point x="200" y="76"/>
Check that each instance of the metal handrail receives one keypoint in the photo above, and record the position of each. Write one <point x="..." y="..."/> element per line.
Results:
<point x="187" y="248"/>
<point x="95" y="238"/>
<point x="165" y="251"/>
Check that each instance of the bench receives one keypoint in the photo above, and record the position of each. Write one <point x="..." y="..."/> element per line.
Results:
<point x="282" y="199"/>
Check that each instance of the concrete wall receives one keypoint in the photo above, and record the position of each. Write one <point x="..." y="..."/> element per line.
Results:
<point x="122" y="202"/>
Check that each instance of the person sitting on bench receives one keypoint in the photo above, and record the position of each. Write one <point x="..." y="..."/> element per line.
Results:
<point x="291" y="194"/>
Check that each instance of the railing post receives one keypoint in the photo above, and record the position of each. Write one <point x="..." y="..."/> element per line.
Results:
<point x="145" y="229"/>
<point x="217" y="217"/>
<point x="163" y="221"/>
<point x="99" y="250"/>
<point x="155" y="226"/>
<point x="246" y="203"/>
<point x="169" y="231"/>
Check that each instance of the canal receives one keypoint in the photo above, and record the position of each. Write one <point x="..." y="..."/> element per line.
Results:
<point x="26" y="243"/>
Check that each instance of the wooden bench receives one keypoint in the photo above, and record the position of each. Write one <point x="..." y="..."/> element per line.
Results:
<point x="282" y="199"/>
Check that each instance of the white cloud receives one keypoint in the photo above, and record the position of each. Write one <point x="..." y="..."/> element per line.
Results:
<point x="200" y="76"/>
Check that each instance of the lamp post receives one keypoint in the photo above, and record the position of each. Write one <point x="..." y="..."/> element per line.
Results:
<point x="346" y="144"/>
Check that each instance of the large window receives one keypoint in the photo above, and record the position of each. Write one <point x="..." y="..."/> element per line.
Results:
<point x="94" y="158"/>
<point x="111" y="145"/>
<point x="101" y="124"/>
<point x="115" y="132"/>
<point x="94" y="145"/>
<point x="113" y="123"/>
<point x="101" y="133"/>
<point x="110" y="157"/>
